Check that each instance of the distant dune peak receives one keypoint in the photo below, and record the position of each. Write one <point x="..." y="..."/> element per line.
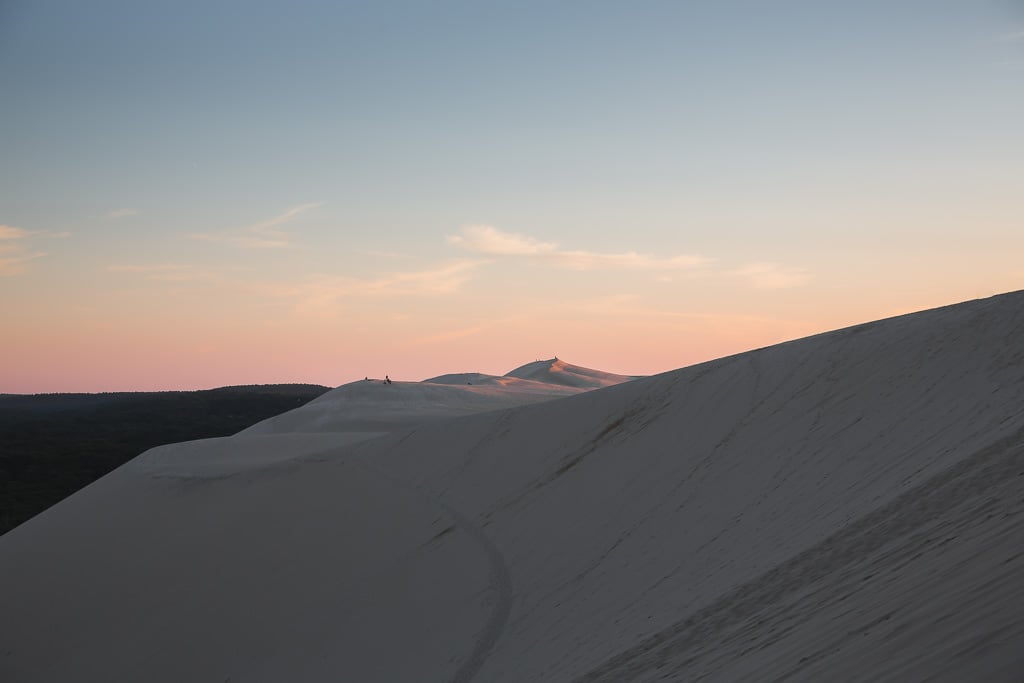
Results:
<point x="372" y="405"/>
<point x="557" y="371"/>
<point x="473" y="378"/>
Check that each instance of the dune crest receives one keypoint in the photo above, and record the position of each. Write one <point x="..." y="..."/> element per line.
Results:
<point x="558" y="372"/>
<point x="372" y="405"/>
<point x="845" y="506"/>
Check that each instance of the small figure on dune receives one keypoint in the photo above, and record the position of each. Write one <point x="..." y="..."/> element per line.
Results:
<point x="387" y="380"/>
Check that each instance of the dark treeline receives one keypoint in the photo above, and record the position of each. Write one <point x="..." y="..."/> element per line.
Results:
<point x="51" y="445"/>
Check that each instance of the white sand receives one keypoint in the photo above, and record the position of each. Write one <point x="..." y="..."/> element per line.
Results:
<point x="844" y="507"/>
<point x="372" y="405"/>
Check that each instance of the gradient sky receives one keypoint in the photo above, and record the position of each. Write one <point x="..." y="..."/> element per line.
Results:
<point x="195" y="194"/>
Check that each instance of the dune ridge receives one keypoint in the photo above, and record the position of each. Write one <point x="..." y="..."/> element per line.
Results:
<point x="842" y="506"/>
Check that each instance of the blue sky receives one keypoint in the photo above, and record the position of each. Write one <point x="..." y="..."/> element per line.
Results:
<point x="869" y="151"/>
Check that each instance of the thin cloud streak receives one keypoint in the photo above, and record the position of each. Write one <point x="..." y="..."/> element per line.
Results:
<point x="383" y="253"/>
<point x="263" y="235"/>
<point x="9" y="232"/>
<point x="489" y="240"/>
<point x="772" y="276"/>
<point x="17" y="261"/>
<point x="324" y="294"/>
<point x="15" y="253"/>
<point x="444" y="337"/>
<point x="149" y="268"/>
<point x="122" y="213"/>
<point x="163" y="272"/>
<point x="486" y="239"/>
<point x="630" y="260"/>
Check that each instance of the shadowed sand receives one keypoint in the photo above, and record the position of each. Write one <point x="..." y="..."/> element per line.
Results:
<point x="846" y="506"/>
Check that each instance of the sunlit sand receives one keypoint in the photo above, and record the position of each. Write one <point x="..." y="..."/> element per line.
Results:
<point x="845" y="506"/>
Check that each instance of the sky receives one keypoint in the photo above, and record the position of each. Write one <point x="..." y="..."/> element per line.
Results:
<point x="197" y="194"/>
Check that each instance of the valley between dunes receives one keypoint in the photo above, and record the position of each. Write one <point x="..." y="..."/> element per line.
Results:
<point x="842" y="507"/>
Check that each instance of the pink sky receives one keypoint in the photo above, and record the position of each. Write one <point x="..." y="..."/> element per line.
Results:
<point x="485" y="308"/>
<point x="189" y="201"/>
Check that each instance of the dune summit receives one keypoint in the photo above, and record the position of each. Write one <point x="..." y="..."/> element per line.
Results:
<point x="558" y="372"/>
<point x="846" y="506"/>
<point x="371" y="405"/>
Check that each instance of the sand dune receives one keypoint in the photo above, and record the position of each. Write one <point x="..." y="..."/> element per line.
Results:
<point x="375" y="406"/>
<point x="556" y="371"/>
<point x="845" y="506"/>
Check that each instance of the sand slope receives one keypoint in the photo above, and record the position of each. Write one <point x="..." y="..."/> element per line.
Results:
<point x="556" y="371"/>
<point x="374" y="406"/>
<point x="845" y="506"/>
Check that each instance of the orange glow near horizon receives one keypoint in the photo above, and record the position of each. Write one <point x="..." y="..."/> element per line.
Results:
<point x="176" y="353"/>
<point x="345" y="191"/>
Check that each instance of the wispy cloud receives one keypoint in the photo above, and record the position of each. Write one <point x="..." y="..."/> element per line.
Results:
<point x="486" y="239"/>
<point x="167" y="272"/>
<point x="147" y="268"/>
<point x="324" y="294"/>
<point x="1012" y="65"/>
<point x="16" y="251"/>
<point x="15" y="260"/>
<point x="772" y="276"/>
<point x="631" y="260"/>
<point x="122" y="213"/>
<point x="1011" y="37"/>
<point x="489" y="240"/>
<point x="263" y="235"/>
<point x="444" y="337"/>
<point x="385" y="254"/>
<point x="1010" y="58"/>
<point x="9" y="232"/>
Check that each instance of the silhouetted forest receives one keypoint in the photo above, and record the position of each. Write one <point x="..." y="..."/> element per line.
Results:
<point x="51" y="445"/>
